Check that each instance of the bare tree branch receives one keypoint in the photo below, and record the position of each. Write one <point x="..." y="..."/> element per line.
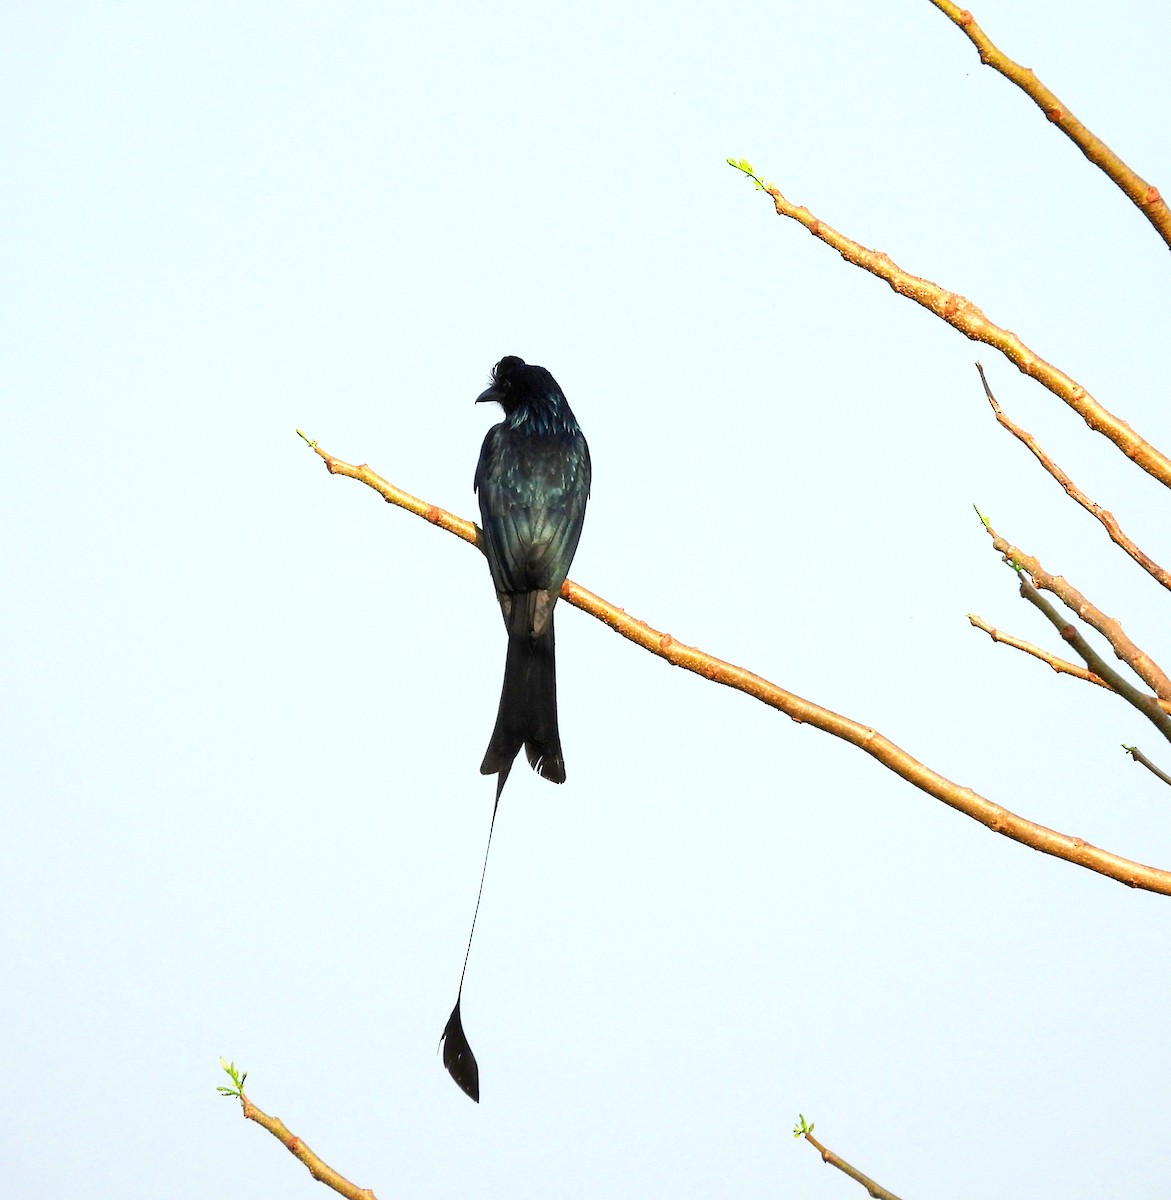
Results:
<point x="1074" y="492"/>
<point x="1060" y="665"/>
<point x="963" y="315"/>
<point x="1141" y="758"/>
<point x="1138" y="660"/>
<point x="1000" y="820"/>
<point x="1147" y="705"/>
<point x="319" y="1170"/>
<point x="1144" y="195"/>
<point x="828" y="1156"/>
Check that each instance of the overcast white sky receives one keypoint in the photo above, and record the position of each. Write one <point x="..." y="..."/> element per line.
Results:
<point x="245" y="702"/>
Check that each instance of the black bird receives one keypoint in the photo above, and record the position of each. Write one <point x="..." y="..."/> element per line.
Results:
<point x="533" y="480"/>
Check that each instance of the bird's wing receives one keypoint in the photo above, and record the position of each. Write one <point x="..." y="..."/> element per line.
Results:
<point x="533" y="493"/>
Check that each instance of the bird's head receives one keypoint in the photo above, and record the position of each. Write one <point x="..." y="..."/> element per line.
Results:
<point x="505" y="375"/>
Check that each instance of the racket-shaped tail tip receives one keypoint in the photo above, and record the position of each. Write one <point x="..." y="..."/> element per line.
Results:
<point x="458" y="1057"/>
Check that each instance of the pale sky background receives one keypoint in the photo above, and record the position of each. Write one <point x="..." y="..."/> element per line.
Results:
<point x="245" y="703"/>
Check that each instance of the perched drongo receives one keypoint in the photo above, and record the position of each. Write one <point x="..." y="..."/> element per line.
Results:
<point x="533" y="480"/>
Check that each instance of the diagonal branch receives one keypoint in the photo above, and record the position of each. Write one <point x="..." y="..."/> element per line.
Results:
<point x="963" y="315"/>
<point x="1147" y="705"/>
<point x="1140" y="758"/>
<point x="1060" y="665"/>
<point x="964" y="800"/>
<point x="1145" y="196"/>
<point x="1138" y="660"/>
<point x="1075" y="493"/>
<point x="835" y="1160"/>
<point x="320" y="1171"/>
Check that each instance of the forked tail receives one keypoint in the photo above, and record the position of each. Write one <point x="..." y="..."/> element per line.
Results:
<point x="527" y="715"/>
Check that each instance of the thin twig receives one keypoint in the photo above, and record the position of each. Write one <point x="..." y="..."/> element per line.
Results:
<point x="965" y="800"/>
<point x="1095" y="510"/>
<point x="1060" y="665"/>
<point x="1141" y="758"/>
<point x="1145" y="196"/>
<point x="1147" y="705"/>
<point x="963" y="315"/>
<point x="834" y="1160"/>
<point x="1138" y="660"/>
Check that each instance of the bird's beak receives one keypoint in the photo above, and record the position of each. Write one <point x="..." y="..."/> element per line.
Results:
<point x="488" y="395"/>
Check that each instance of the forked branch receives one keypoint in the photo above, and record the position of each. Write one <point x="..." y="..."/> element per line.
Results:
<point x="1137" y="659"/>
<point x="1060" y="665"/>
<point x="1147" y="705"/>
